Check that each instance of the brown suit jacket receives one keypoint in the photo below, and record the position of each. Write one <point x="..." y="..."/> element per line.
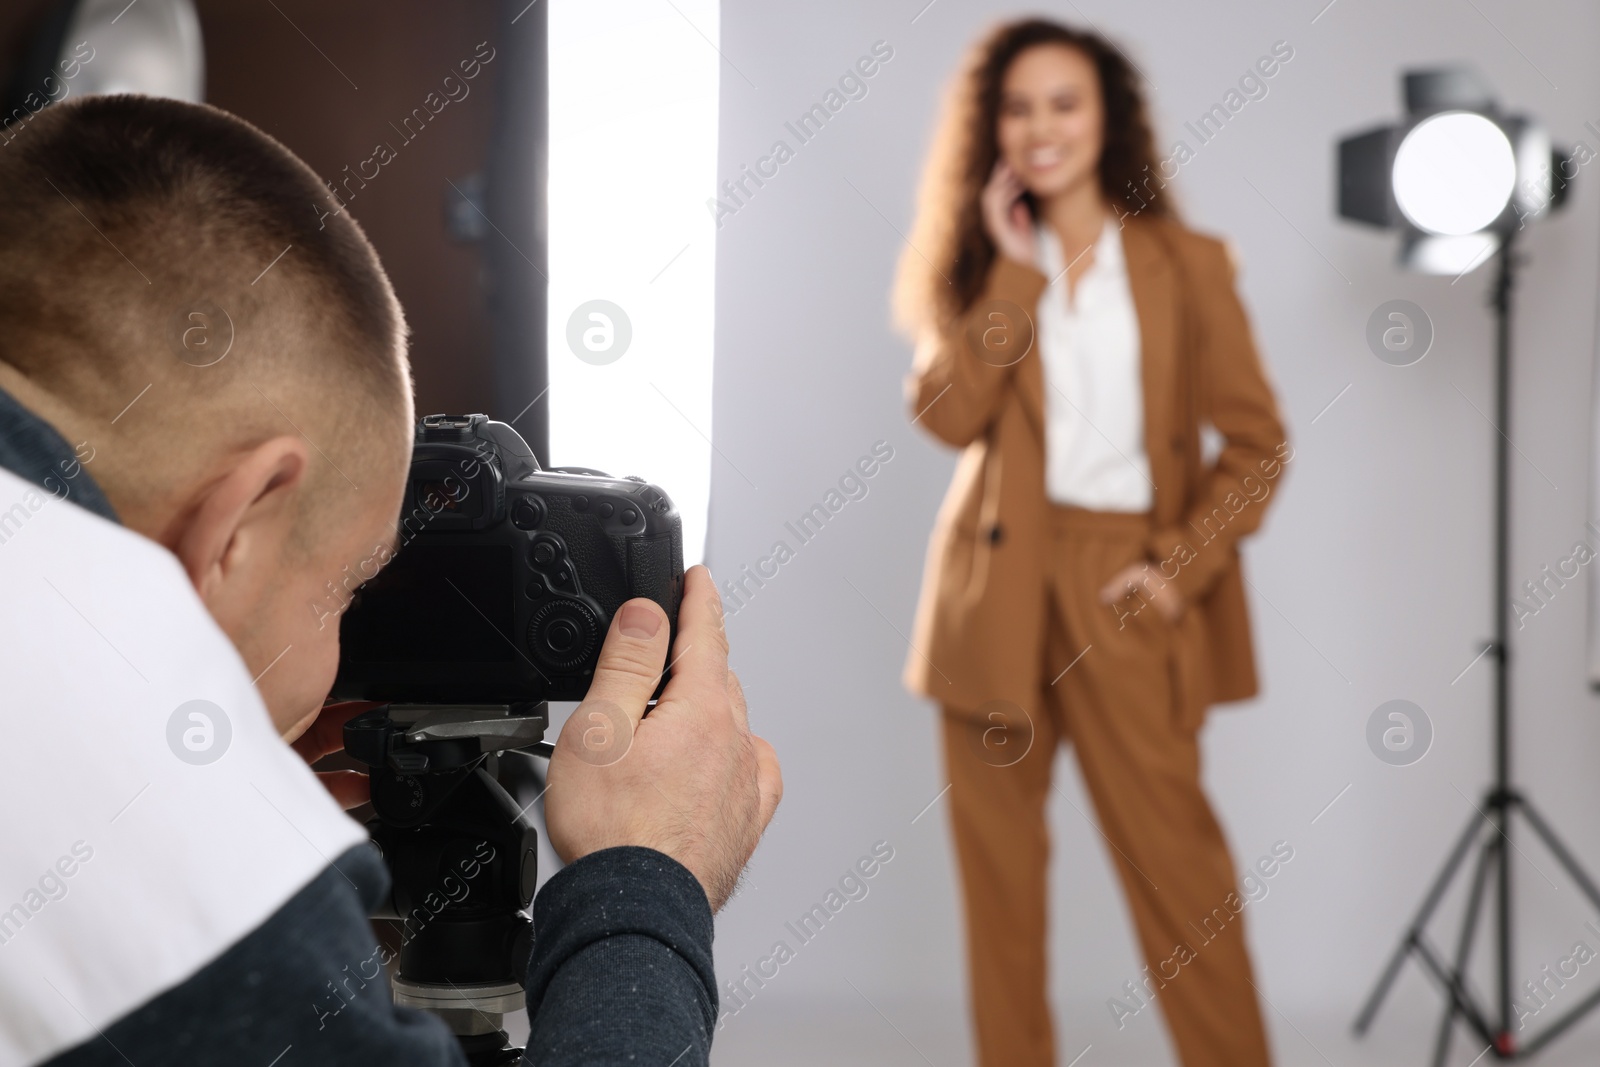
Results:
<point x="979" y="622"/>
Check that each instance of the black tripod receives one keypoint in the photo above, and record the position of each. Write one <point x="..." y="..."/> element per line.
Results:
<point x="1491" y="827"/>
<point x="462" y="854"/>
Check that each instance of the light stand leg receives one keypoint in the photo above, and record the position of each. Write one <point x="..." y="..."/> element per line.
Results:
<point x="1575" y="871"/>
<point x="1562" y="854"/>
<point x="1413" y="934"/>
<point x="1469" y="925"/>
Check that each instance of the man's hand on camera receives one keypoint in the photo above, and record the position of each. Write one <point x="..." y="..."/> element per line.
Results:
<point x="323" y="735"/>
<point x="689" y="779"/>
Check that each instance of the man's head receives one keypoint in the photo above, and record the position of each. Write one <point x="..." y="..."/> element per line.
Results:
<point x="180" y="294"/>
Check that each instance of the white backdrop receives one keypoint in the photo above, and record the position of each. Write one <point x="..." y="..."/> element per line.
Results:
<point x="1370" y="581"/>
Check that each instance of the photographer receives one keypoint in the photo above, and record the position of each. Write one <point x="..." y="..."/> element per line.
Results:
<point x="180" y="888"/>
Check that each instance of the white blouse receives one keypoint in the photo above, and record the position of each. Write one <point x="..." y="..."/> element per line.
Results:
<point x="1094" y="399"/>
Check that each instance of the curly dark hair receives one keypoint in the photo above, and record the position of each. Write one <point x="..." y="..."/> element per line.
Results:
<point x="950" y="252"/>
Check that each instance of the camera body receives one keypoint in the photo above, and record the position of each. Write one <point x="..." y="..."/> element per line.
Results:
<point x="507" y="575"/>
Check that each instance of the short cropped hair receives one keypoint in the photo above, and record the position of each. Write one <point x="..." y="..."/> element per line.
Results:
<point x="136" y="231"/>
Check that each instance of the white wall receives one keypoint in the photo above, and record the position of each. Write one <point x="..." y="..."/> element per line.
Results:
<point x="1371" y="577"/>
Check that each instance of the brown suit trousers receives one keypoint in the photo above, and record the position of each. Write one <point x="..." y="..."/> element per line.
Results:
<point x="1114" y="682"/>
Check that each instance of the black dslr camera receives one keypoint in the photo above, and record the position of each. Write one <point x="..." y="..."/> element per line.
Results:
<point x="507" y="576"/>
<point x="497" y="601"/>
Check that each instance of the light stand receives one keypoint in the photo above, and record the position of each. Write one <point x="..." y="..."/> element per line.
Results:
<point x="1492" y="826"/>
<point x="1460" y="179"/>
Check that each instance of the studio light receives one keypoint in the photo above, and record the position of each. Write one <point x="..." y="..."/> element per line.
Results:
<point x="634" y="92"/>
<point x="1457" y="178"/>
<point x="153" y="48"/>
<point x="81" y="47"/>
<point x="1460" y="181"/>
<point x="1432" y="156"/>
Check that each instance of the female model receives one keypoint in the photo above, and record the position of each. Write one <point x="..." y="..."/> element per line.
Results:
<point x="1083" y="578"/>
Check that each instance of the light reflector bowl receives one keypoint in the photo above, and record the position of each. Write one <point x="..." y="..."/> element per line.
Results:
<point x="1454" y="173"/>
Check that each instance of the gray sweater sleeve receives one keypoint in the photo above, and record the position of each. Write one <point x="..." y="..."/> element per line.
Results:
<point x="621" y="972"/>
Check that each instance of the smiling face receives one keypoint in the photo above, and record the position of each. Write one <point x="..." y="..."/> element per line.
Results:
<point x="1052" y="119"/>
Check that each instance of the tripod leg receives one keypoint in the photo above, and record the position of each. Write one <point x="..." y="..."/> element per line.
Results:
<point x="1469" y="926"/>
<point x="1562" y="855"/>
<point x="1392" y="969"/>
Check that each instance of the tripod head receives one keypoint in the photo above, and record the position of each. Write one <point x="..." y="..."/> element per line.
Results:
<point x="462" y="855"/>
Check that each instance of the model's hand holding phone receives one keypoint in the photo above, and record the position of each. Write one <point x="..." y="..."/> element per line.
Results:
<point x="1006" y="216"/>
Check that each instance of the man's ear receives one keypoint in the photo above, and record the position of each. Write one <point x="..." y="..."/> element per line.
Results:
<point x="245" y="515"/>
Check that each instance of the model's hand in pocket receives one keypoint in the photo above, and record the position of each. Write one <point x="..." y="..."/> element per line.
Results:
<point x="1139" y="579"/>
